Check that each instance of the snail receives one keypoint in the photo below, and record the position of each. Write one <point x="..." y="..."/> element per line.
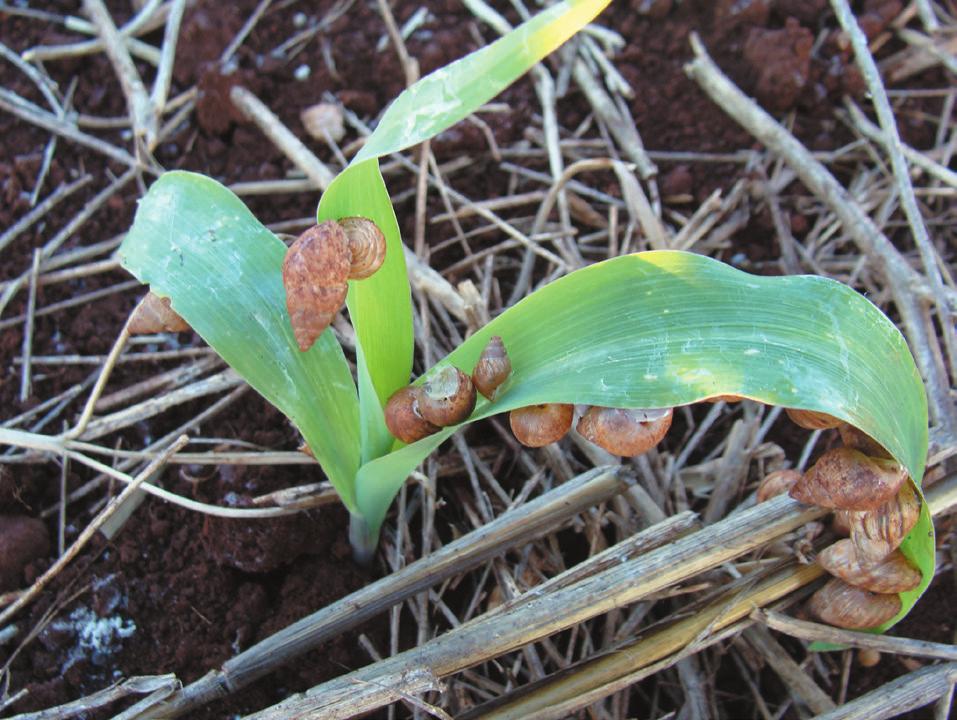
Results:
<point x="893" y="574"/>
<point x="493" y="367"/>
<point x="446" y="398"/>
<point x="625" y="432"/>
<point x="539" y="425"/>
<point x="846" y="606"/>
<point x="776" y="483"/>
<point x="859" y="440"/>
<point x="402" y="416"/>
<point x="724" y="398"/>
<point x="317" y="267"/>
<point x="841" y="522"/>
<point x="868" y="657"/>
<point x="154" y="314"/>
<point x="811" y="419"/>
<point x="366" y="246"/>
<point x="877" y="533"/>
<point x="847" y="479"/>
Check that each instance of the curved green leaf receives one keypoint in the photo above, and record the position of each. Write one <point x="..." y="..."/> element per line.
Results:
<point x="195" y="242"/>
<point x="661" y="329"/>
<point x="449" y="94"/>
<point x="380" y="306"/>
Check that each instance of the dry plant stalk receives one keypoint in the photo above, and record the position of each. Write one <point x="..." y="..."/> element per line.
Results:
<point x="521" y="524"/>
<point x="482" y="639"/>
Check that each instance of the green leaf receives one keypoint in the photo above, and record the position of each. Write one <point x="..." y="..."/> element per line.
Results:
<point x="449" y="94"/>
<point x="380" y="306"/>
<point x="662" y="329"/>
<point x="195" y="242"/>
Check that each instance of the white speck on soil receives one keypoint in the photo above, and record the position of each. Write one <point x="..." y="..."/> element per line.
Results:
<point x="96" y="638"/>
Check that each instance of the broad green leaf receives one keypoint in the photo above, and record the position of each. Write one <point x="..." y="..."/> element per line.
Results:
<point x="661" y="329"/>
<point x="380" y="306"/>
<point x="195" y="242"/>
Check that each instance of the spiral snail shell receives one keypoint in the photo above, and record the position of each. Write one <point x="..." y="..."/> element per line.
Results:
<point x="811" y="419"/>
<point x="846" y="479"/>
<point x="446" y="398"/>
<point x="623" y="431"/>
<point x="317" y="268"/>
<point x="859" y="440"/>
<point x="493" y="367"/>
<point x="893" y="574"/>
<point x="846" y="606"/>
<point x="776" y="483"/>
<point x="403" y="418"/>
<point x="539" y="425"/>
<point x="154" y="314"/>
<point x="366" y="246"/>
<point x="877" y="533"/>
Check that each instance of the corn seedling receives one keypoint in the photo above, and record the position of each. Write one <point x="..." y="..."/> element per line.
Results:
<point x="648" y="331"/>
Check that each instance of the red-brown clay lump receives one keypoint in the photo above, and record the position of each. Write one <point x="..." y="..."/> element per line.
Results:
<point x="23" y="539"/>
<point x="781" y="63"/>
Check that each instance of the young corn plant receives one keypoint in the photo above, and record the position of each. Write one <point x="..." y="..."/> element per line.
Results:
<point x="648" y="330"/>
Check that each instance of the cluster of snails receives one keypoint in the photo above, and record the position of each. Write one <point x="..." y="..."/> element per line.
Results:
<point x="620" y="431"/>
<point x="448" y="398"/>
<point x="318" y="266"/>
<point x="868" y="490"/>
<point x="875" y="506"/>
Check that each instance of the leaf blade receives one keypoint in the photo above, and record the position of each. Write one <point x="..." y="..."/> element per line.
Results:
<point x="194" y="241"/>
<point x="449" y="94"/>
<point x="380" y="306"/>
<point x="666" y="328"/>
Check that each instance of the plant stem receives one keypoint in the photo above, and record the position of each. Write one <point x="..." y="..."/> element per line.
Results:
<point x="363" y="538"/>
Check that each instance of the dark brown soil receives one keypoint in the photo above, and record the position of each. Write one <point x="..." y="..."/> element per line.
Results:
<point x="182" y="593"/>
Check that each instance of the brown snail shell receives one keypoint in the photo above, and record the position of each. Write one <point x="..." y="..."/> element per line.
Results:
<point x="154" y="314"/>
<point x="877" y="533"/>
<point x="892" y="575"/>
<point x="841" y="522"/>
<point x="846" y="606"/>
<point x="625" y="432"/>
<point x="777" y="483"/>
<point x="493" y="367"/>
<point x="446" y="398"/>
<point x="367" y="246"/>
<point x="859" y="440"/>
<point x="868" y="657"/>
<point x="539" y="425"/>
<point x="811" y="419"/>
<point x="315" y="273"/>
<point x="402" y="416"/>
<point x="846" y="479"/>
